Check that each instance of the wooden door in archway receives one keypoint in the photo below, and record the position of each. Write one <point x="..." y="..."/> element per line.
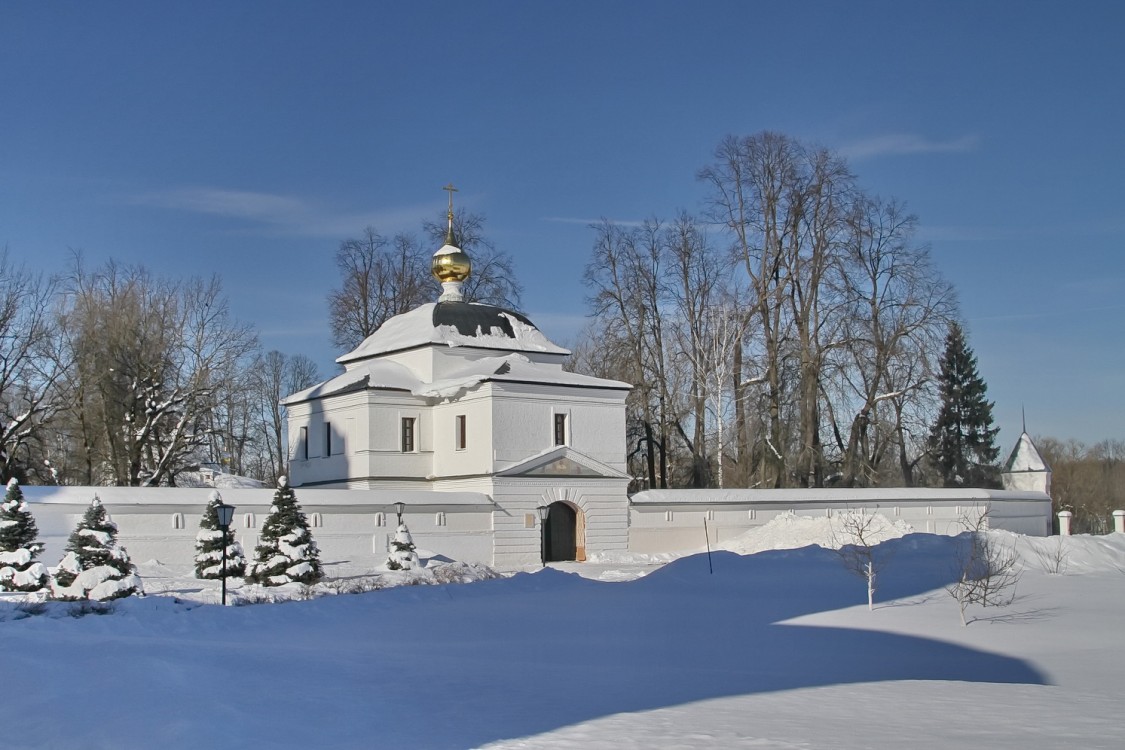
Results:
<point x="561" y="533"/>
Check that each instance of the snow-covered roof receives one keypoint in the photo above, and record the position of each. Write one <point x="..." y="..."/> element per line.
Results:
<point x="1025" y="457"/>
<point x="192" y="496"/>
<point x="377" y="374"/>
<point x="454" y="324"/>
<point x="516" y="368"/>
<point x="832" y="495"/>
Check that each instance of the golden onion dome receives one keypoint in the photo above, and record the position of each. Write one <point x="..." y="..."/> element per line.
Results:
<point x="451" y="264"/>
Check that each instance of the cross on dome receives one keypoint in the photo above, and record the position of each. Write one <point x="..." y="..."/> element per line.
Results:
<point x="449" y="232"/>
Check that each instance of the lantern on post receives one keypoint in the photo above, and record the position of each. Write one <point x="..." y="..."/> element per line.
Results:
<point x="226" y="514"/>
<point x="543" y="511"/>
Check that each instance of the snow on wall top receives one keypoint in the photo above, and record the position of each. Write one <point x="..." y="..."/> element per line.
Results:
<point x="248" y="498"/>
<point x="454" y="324"/>
<point x="1025" y="457"/>
<point x="858" y="495"/>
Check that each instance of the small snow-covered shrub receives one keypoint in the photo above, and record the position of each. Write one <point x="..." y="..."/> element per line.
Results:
<point x="94" y="567"/>
<point x="462" y="572"/>
<point x="83" y="608"/>
<point x="1053" y="556"/>
<point x="286" y="552"/>
<point x="19" y="545"/>
<point x="359" y="585"/>
<point x="209" y="546"/>
<point x="24" y="610"/>
<point x="250" y="598"/>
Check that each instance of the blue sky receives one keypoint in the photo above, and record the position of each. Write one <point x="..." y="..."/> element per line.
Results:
<point x="251" y="137"/>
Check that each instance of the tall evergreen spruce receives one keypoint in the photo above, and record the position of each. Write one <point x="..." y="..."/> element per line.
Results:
<point x="209" y="546"/>
<point x="963" y="440"/>
<point x="94" y="567"/>
<point x="286" y="551"/>
<point x="19" y="544"/>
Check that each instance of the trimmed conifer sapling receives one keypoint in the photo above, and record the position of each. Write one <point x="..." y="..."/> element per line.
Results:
<point x="94" y="567"/>
<point x="209" y="546"/>
<point x="403" y="554"/>
<point x="19" y="544"/>
<point x="286" y="551"/>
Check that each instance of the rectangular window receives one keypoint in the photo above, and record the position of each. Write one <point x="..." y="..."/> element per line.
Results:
<point x="460" y="440"/>
<point x="560" y="429"/>
<point x="328" y="440"/>
<point x="303" y="448"/>
<point x="408" y="434"/>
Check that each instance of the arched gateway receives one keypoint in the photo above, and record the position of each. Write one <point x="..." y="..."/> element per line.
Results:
<point x="560" y="533"/>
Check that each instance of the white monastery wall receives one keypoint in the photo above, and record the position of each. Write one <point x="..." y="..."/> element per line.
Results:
<point x="673" y="520"/>
<point x="353" y="528"/>
<point x="493" y="520"/>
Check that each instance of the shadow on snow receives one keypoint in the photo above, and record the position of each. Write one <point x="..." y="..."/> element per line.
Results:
<point x="461" y="666"/>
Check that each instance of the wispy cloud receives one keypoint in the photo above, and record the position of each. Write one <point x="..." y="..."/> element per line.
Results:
<point x="592" y="222"/>
<point x="904" y="144"/>
<point x="274" y="214"/>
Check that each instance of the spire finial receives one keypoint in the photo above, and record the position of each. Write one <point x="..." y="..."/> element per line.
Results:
<point x="1023" y="414"/>
<point x="449" y="215"/>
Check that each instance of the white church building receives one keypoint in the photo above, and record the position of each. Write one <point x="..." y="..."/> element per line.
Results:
<point x="464" y="413"/>
<point x="462" y="397"/>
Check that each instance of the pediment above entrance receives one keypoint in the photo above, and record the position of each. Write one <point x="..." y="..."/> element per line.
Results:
<point x="562" y="462"/>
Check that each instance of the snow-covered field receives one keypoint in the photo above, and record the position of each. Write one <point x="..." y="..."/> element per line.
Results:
<point x="769" y="650"/>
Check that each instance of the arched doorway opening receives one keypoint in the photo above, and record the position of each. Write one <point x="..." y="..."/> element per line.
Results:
<point x="560" y="533"/>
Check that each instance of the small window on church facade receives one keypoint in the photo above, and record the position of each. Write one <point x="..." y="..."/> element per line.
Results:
<point x="460" y="438"/>
<point x="303" y="447"/>
<point x="560" y="429"/>
<point x="408" y="434"/>
<point x="328" y="440"/>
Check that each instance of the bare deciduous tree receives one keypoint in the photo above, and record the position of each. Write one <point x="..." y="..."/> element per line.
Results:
<point x="834" y="310"/>
<point x="379" y="279"/>
<point x="30" y="366"/>
<point x="899" y="309"/>
<point x="1087" y="480"/>
<point x="276" y="376"/>
<point x="987" y="570"/>
<point x="857" y="546"/>
<point x="150" y="356"/>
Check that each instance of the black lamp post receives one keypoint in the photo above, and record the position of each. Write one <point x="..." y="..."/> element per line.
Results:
<point x="399" y="508"/>
<point x="225" y="513"/>
<point x="543" y="511"/>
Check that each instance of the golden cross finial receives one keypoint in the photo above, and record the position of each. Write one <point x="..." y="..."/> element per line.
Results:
<point x="449" y="231"/>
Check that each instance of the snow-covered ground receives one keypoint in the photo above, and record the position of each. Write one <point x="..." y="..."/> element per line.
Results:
<point x="769" y="650"/>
